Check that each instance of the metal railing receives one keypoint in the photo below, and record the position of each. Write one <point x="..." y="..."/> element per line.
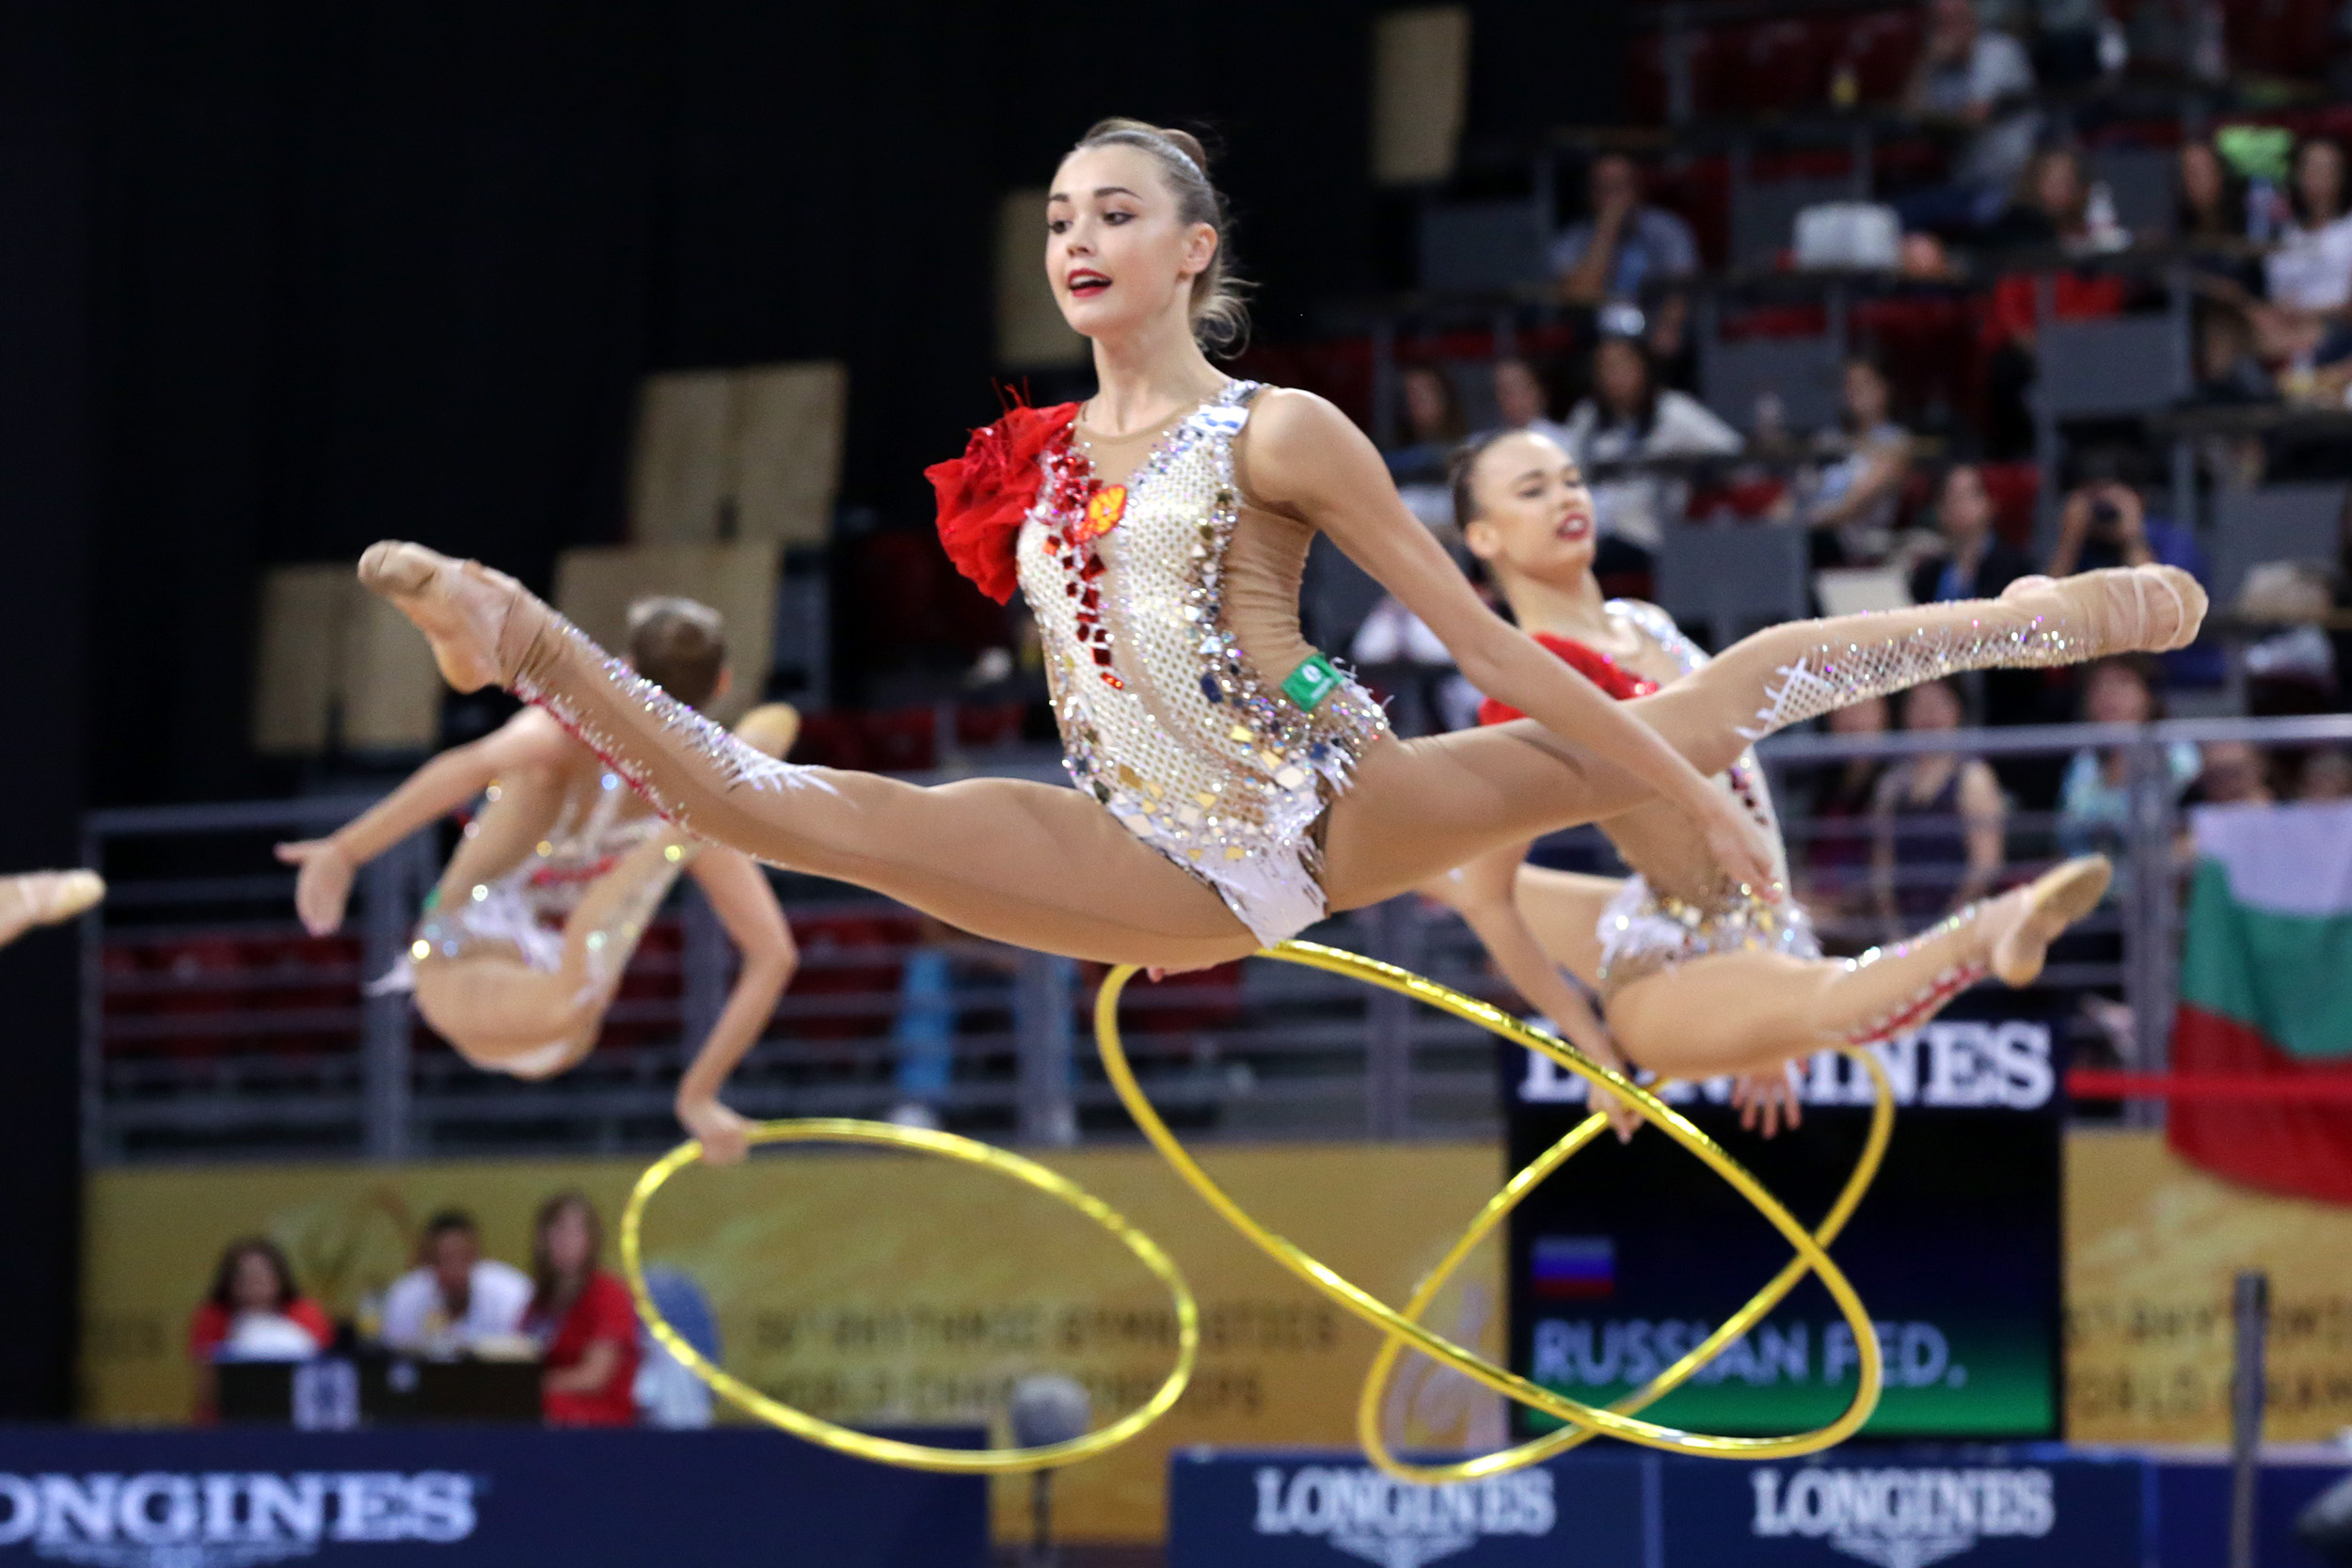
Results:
<point x="214" y="1027"/>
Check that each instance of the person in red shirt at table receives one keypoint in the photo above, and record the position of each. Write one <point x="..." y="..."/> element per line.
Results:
<point x="581" y="1317"/>
<point x="253" y="1312"/>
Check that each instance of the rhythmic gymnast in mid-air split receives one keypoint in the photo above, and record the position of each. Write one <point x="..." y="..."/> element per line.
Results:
<point x="1234" y="788"/>
<point x="1698" y="978"/>
<point x="524" y="941"/>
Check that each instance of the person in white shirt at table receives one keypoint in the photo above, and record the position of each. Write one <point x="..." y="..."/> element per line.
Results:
<point x="454" y="1301"/>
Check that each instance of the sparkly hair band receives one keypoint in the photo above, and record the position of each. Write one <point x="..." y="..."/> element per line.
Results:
<point x="1157" y="142"/>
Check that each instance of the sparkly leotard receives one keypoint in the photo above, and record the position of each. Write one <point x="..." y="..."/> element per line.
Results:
<point x="1166" y="717"/>
<point x="521" y="914"/>
<point x="1676" y="906"/>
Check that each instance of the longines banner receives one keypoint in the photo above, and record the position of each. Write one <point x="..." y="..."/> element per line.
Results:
<point x="470" y="1498"/>
<point x="1633" y="1253"/>
<point x="1882" y="1507"/>
<point x="883" y="1288"/>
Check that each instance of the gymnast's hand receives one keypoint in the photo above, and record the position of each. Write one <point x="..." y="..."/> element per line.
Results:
<point x="1768" y="1096"/>
<point x="1739" y="846"/>
<point x="725" y="1136"/>
<point x="323" y="887"/>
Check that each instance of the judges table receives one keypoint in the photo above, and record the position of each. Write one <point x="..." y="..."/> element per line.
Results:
<point x="474" y="1496"/>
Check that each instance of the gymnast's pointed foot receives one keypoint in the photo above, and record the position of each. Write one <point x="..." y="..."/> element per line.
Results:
<point x="2027" y="920"/>
<point x="46" y="898"/>
<point x="463" y="608"/>
<point x="2124" y="609"/>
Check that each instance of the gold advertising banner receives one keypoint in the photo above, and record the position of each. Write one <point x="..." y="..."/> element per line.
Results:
<point x="877" y="1288"/>
<point x="2151" y="1242"/>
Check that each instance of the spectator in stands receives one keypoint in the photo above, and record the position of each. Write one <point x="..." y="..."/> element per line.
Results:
<point x="1630" y="417"/>
<point x="2105" y="522"/>
<point x="2308" y="273"/>
<point x="2209" y="223"/>
<point x="1838" y="856"/>
<point x="582" y="1318"/>
<point x="1867" y="457"/>
<point x="1434" y="425"/>
<point x="2326" y="775"/>
<point x="2051" y="207"/>
<point x="1522" y="402"/>
<point x="2095" y="802"/>
<point x="1941" y="819"/>
<point x="454" y="1301"/>
<point x="2227" y="369"/>
<point x="1980" y="82"/>
<point x="253" y="1312"/>
<point x="1972" y="561"/>
<point x="2230" y="772"/>
<point x="1626" y="246"/>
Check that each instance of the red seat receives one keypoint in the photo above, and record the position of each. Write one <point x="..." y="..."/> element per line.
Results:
<point x="2013" y="488"/>
<point x="903" y="741"/>
<point x="1779" y="68"/>
<point x="1883" y="46"/>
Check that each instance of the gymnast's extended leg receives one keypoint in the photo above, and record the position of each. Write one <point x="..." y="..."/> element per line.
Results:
<point x="1047" y="868"/>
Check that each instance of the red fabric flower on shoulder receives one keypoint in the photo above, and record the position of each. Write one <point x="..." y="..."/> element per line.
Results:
<point x="1593" y="665"/>
<point x="984" y="495"/>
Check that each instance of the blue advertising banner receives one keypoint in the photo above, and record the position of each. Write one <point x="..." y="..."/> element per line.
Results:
<point x="1634" y="1252"/>
<point x="473" y="1497"/>
<point x="1891" y="1508"/>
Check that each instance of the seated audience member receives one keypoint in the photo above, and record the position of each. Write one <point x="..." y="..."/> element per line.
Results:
<point x="455" y="1299"/>
<point x="1626" y="244"/>
<point x="1840" y="888"/>
<point x="2050" y="208"/>
<point x="2230" y="773"/>
<point x="1522" y="402"/>
<point x="1972" y="561"/>
<point x="582" y="1320"/>
<point x="1853" y="510"/>
<point x="2308" y="272"/>
<point x="2105" y="522"/>
<point x="253" y="1312"/>
<point x="2325" y="776"/>
<point x="2209" y="224"/>
<point x="1433" y="426"/>
<point x="1630" y="417"/>
<point x="1940" y="817"/>
<point x="2227" y="369"/>
<point x="1980" y="82"/>
<point x="2095" y="800"/>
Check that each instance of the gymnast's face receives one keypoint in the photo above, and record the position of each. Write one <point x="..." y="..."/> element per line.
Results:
<point x="1120" y="256"/>
<point x="1533" y="515"/>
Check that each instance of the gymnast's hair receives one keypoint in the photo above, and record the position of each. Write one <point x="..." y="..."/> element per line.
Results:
<point x="680" y="645"/>
<point x="1220" y="318"/>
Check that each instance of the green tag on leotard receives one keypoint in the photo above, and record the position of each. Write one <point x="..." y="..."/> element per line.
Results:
<point x="1311" y="681"/>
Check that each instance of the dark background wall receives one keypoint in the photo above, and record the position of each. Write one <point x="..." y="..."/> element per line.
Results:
<point x="386" y="267"/>
<point x="278" y="279"/>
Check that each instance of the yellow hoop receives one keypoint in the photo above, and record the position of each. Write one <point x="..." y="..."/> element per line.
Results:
<point x="1384" y="1364"/>
<point x="887" y="1450"/>
<point x="1400" y="1328"/>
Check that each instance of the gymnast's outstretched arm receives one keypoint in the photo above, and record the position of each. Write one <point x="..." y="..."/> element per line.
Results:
<point x="1483" y="894"/>
<point x="1302" y="457"/>
<point x="746" y="906"/>
<point x="531" y="742"/>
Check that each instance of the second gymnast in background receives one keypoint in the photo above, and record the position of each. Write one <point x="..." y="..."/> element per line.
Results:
<point x="524" y="939"/>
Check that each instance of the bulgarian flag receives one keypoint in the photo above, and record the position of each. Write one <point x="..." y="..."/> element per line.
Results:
<point x="2266" y="992"/>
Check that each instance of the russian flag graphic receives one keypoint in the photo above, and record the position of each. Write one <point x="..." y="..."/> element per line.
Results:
<point x="1574" y="1268"/>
